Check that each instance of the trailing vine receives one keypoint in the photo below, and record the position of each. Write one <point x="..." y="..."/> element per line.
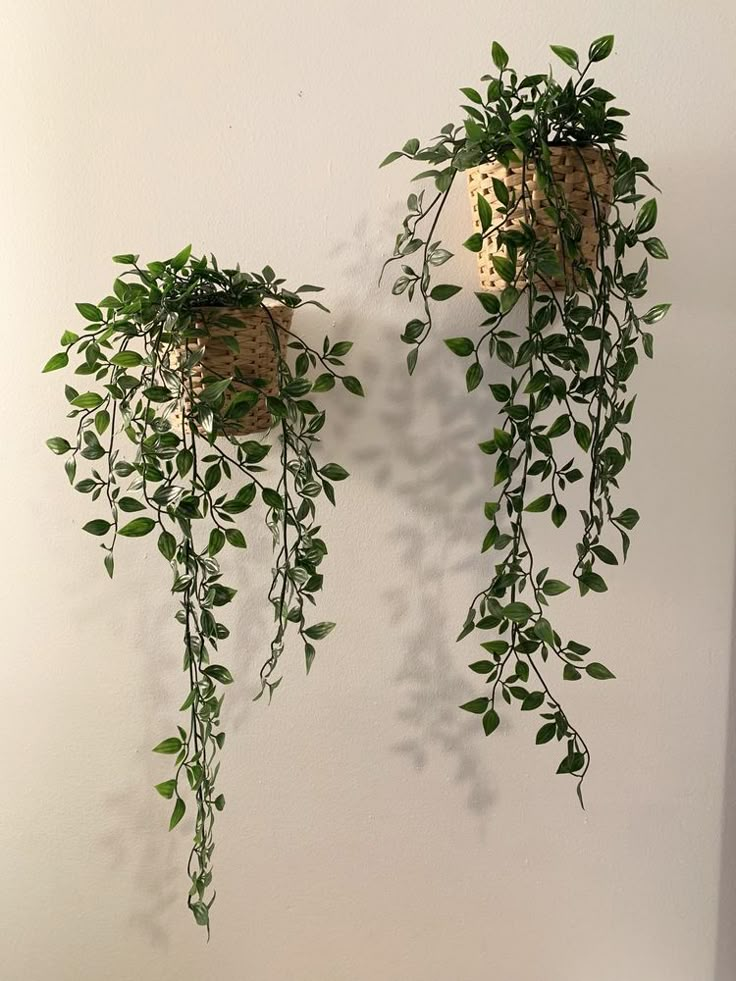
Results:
<point x="563" y="335"/>
<point x="164" y="457"/>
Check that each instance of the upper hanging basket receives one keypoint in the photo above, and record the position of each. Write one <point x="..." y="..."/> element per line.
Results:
<point x="256" y="359"/>
<point x="569" y="165"/>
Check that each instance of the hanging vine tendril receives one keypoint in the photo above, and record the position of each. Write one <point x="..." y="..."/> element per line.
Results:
<point x="164" y="450"/>
<point x="564" y="326"/>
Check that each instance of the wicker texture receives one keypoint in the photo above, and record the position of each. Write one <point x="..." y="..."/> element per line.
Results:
<point x="570" y="174"/>
<point x="256" y="358"/>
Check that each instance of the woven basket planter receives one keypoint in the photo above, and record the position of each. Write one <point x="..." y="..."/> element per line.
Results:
<point x="570" y="173"/>
<point x="256" y="358"/>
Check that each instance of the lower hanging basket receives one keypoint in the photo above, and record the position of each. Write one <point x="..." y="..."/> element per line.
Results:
<point x="575" y="169"/>
<point x="255" y="357"/>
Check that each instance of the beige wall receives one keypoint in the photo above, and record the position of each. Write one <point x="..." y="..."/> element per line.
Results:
<point x="371" y="833"/>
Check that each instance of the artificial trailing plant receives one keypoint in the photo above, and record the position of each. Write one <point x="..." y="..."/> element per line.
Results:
<point x="559" y="337"/>
<point x="164" y="457"/>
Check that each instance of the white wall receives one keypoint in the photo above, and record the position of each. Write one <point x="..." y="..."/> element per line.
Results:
<point x="371" y="832"/>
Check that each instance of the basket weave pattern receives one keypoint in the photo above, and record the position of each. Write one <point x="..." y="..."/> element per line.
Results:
<point x="570" y="174"/>
<point x="256" y="358"/>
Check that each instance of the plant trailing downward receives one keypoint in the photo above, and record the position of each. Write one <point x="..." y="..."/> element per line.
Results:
<point x="160" y="429"/>
<point x="560" y="211"/>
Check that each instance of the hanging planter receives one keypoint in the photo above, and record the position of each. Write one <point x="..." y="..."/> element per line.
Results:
<point x="179" y="362"/>
<point x="581" y="175"/>
<point x="235" y="341"/>
<point x="563" y="235"/>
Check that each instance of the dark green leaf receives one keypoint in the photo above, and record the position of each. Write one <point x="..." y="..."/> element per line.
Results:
<point x="444" y="291"/>
<point x="97" y="527"/>
<point x="477" y="706"/>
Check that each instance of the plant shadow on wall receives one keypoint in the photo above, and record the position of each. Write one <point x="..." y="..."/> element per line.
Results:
<point x="413" y="445"/>
<point x="560" y="211"/>
<point x="181" y="361"/>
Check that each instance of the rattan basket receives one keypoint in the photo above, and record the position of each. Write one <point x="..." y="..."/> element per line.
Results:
<point x="256" y="358"/>
<point x="569" y="165"/>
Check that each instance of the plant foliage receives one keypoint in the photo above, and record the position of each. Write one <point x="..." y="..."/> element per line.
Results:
<point x="559" y="362"/>
<point x="161" y="459"/>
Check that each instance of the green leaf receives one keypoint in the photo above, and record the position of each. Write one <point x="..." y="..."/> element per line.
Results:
<point x="543" y="630"/>
<point x="216" y="541"/>
<point x="219" y="673"/>
<point x="601" y="48"/>
<point x="567" y="55"/>
<point x="559" y="513"/>
<point x="319" y="630"/>
<point x="90" y="312"/>
<point x="474" y="243"/>
<point x="324" y="383"/>
<point x="605" y="554"/>
<point x="582" y="436"/>
<point x="272" y="498"/>
<point x="170" y="746"/>
<point x="599" y="671"/>
<point x="128" y="504"/>
<point x="628" y="518"/>
<point x="444" y="291"/>
<point x="546" y="733"/>
<point x="87" y="400"/>
<point x="540" y="504"/>
<point x="481" y="667"/>
<point x="167" y="788"/>
<point x="235" y="537"/>
<point x="553" y="587"/>
<point x="655" y="248"/>
<point x="474" y="376"/>
<point x="125" y="259"/>
<point x="137" y="528"/>
<point x="60" y="360"/>
<point x="167" y="545"/>
<point x="177" y="814"/>
<point x="353" y="385"/>
<point x="647" y="217"/>
<point x="214" y="390"/>
<point x="462" y="346"/>
<point x="495" y="646"/>
<point x="310" y="653"/>
<point x="532" y="701"/>
<point x="559" y="427"/>
<point x="485" y="214"/>
<point x="472" y="95"/>
<point x="518" y="612"/>
<point x="102" y="421"/>
<point x="656" y="313"/>
<point x="492" y="305"/>
<point x="180" y="259"/>
<point x="572" y="763"/>
<point x="68" y="337"/>
<point x="220" y="802"/>
<point x="500" y="58"/>
<point x="477" y="706"/>
<point x="333" y="471"/>
<point x="126" y="359"/>
<point x="394" y="155"/>
<point x="58" y="445"/>
<point x="97" y="527"/>
<point x="594" y="582"/>
<point x="491" y="721"/>
<point x="505" y="268"/>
